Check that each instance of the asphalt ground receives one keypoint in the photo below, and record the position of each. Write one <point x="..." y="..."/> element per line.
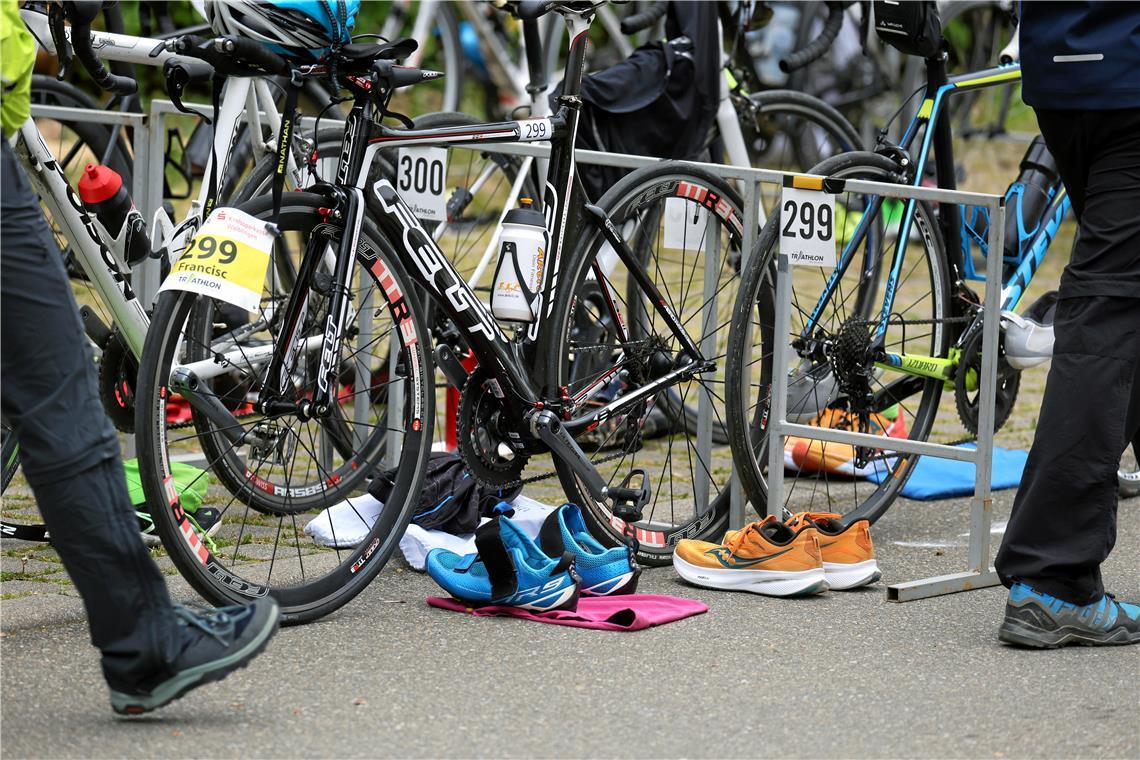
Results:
<point x="846" y="674"/>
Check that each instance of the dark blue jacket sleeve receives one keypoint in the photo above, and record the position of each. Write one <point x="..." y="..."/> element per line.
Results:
<point x="1081" y="55"/>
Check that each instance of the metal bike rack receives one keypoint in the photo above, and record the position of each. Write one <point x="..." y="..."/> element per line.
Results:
<point x="978" y="573"/>
<point x="148" y="191"/>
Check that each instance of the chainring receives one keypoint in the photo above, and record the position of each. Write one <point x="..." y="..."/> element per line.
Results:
<point x="479" y="434"/>
<point x="967" y="390"/>
<point x="118" y="373"/>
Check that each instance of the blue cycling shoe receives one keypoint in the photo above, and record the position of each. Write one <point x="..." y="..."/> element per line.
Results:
<point x="509" y="569"/>
<point x="1036" y="619"/>
<point x="605" y="572"/>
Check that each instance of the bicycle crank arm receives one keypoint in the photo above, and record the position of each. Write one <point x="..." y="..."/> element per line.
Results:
<point x="184" y="382"/>
<point x="554" y="434"/>
<point x="628" y="502"/>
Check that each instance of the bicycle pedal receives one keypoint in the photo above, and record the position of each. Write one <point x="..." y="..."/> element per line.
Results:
<point x="629" y="501"/>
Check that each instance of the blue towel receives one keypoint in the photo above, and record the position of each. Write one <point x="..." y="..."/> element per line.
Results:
<point x="935" y="478"/>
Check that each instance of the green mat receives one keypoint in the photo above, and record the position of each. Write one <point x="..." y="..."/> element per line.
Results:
<point x="190" y="481"/>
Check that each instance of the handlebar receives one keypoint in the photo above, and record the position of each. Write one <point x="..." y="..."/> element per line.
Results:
<point x="253" y="53"/>
<point x="643" y="20"/>
<point x="82" y="13"/>
<point x="817" y="47"/>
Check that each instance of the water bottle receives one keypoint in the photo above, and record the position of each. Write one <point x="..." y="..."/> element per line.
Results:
<point x="522" y="258"/>
<point x="1028" y="197"/>
<point x="103" y="195"/>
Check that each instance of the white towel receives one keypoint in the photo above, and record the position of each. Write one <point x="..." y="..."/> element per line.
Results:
<point x="350" y="521"/>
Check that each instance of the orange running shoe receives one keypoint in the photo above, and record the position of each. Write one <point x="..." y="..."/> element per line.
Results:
<point x="811" y="455"/>
<point x="764" y="557"/>
<point x="848" y="554"/>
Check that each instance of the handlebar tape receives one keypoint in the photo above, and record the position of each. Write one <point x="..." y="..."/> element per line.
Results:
<point x="643" y="20"/>
<point x="817" y="47"/>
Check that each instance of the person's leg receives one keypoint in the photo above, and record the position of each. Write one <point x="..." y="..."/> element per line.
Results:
<point x="69" y="451"/>
<point x="1063" y="523"/>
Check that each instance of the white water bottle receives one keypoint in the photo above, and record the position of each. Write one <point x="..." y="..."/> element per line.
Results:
<point x="522" y="259"/>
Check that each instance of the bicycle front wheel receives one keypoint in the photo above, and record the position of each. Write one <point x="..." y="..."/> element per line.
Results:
<point x="685" y="228"/>
<point x="836" y="376"/>
<point x="265" y="479"/>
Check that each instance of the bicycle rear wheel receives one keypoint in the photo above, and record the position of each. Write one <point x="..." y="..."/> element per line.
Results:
<point x="834" y="379"/>
<point x="283" y="470"/>
<point x="685" y="228"/>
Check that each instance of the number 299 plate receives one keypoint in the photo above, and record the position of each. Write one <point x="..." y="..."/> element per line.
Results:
<point x="226" y="260"/>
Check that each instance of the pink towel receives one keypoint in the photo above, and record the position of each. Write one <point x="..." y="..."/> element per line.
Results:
<point x="631" y="612"/>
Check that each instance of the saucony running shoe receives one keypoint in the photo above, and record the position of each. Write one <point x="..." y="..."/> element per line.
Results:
<point x="604" y="572"/>
<point x="847" y="551"/>
<point x="509" y="569"/>
<point x="1038" y="620"/>
<point x="763" y="557"/>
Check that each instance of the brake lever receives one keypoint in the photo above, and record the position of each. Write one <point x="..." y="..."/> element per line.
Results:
<point x="63" y="50"/>
<point x="177" y="77"/>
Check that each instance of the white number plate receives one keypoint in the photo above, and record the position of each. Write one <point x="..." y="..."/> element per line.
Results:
<point x="807" y="227"/>
<point x="421" y="179"/>
<point x="531" y="130"/>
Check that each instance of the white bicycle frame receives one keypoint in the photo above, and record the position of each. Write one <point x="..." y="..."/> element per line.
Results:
<point x="105" y="267"/>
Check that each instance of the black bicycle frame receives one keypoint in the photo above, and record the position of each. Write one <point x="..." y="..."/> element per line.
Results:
<point x="431" y="269"/>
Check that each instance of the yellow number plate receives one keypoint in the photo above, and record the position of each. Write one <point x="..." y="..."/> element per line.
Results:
<point x="227" y="260"/>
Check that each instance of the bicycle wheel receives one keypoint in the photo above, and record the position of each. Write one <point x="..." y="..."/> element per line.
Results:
<point x="835" y="378"/>
<point x="440" y="50"/>
<point x="283" y="470"/>
<point x="685" y="228"/>
<point x="793" y="131"/>
<point x="479" y="187"/>
<point x="9" y="455"/>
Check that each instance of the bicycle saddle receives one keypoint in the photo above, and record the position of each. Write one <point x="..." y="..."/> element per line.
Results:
<point x="360" y="55"/>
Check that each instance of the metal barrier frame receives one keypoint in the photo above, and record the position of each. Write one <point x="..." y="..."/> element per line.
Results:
<point x="148" y="190"/>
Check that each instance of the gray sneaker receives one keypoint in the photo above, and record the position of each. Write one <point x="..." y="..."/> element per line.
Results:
<point x="216" y="643"/>
<point x="1037" y="620"/>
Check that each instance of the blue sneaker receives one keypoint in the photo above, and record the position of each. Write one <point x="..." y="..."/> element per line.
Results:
<point x="605" y="572"/>
<point x="1034" y="619"/>
<point x="509" y="569"/>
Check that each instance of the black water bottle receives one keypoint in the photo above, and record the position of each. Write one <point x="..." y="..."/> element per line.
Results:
<point x="102" y="192"/>
<point x="1028" y="197"/>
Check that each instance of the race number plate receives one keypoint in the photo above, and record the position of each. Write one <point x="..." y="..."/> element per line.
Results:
<point x="807" y="227"/>
<point x="226" y="260"/>
<point x="421" y="176"/>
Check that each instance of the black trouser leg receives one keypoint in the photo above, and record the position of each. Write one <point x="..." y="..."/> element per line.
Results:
<point x="68" y="449"/>
<point x="1063" y="523"/>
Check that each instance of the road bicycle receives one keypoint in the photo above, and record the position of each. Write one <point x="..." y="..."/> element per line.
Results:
<point x="624" y="322"/>
<point x="876" y="339"/>
<point x="119" y="319"/>
<point x="778" y="129"/>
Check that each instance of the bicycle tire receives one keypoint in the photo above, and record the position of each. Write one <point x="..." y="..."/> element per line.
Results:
<point x="702" y="494"/>
<point x="747" y="414"/>
<point x="9" y="456"/>
<point x="348" y="571"/>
